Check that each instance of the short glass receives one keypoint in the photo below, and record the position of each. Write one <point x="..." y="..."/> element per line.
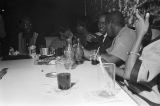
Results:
<point x="64" y="81"/>
<point x="93" y="58"/>
<point x="51" y="51"/>
<point x="44" y="51"/>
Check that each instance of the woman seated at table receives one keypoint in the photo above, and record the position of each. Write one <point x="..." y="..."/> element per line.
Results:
<point x="60" y="40"/>
<point x="27" y="37"/>
<point x="143" y="70"/>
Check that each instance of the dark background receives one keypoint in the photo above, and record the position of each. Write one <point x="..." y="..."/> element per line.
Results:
<point x="46" y="15"/>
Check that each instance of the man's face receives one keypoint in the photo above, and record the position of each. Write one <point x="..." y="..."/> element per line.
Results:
<point x="102" y="25"/>
<point x="109" y="29"/>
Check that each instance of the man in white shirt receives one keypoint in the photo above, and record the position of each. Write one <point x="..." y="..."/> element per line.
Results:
<point x="124" y="38"/>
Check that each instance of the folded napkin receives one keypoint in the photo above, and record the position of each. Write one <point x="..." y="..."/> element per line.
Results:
<point x="3" y="72"/>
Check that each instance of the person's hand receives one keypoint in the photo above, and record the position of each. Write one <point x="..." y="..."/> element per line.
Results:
<point x="142" y="24"/>
<point x="86" y="53"/>
<point x="90" y="37"/>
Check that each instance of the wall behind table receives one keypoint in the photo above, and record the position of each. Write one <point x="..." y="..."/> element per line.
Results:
<point x="46" y="15"/>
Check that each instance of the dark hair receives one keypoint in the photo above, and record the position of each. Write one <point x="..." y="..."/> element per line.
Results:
<point x="63" y="28"/>
<point x="116" y="18"/>
<point x="104" y="14"/>
<point x="81" y="23"/>
<point x="25" y="18"/>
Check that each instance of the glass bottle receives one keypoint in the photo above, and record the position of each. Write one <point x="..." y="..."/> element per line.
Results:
<point x="79" y="52"/>
<point x="69" y="54"/>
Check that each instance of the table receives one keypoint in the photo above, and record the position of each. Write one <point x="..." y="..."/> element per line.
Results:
<point x="25" y="84"/>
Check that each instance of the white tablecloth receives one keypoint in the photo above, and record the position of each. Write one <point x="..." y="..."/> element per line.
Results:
<point x="26" y="84"/>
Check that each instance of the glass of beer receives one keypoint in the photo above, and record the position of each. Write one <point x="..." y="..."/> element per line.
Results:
<point x="64" y="81"/>
<point x="63" y="76"/>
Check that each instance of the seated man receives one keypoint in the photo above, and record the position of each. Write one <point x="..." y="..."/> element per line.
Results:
<point x="124" y="38"/>
<point x="27" y="37"/>
<point x="104" y="40"/>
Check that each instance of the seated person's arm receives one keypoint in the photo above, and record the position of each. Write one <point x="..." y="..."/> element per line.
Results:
<point x="113" y="59"/>
<point x="121" y="45"/>
<point x="110" y="58"/>
<point x="141" y="28"/>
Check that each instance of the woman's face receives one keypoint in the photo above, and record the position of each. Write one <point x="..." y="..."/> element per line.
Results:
<point x="65" y="35"/>
<point x="27" y="26"/>
<point x="80" y="29"/>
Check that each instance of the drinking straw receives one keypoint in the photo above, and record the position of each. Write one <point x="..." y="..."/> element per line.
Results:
<point x="101" y="64"/>
<point x="97" y="51"/>
<point x="99" y="46"/>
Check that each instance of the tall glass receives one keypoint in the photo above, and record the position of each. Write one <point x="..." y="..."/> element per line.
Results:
<point x="109" y="77"/>
<point x="63" y="76"/>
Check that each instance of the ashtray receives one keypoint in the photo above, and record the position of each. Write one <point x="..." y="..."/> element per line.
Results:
<point x="51" y="74"/>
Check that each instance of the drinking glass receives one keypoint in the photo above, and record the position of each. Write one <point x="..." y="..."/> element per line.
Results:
<point x="44" y="51"/>
<point x="51" y="51"/>
<point x="93" y="58"/>
<point x="64" y="81"/>
<point x="63" y="75"/>
<point x="60" y="68"/>
<point x="109" y="77"/>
